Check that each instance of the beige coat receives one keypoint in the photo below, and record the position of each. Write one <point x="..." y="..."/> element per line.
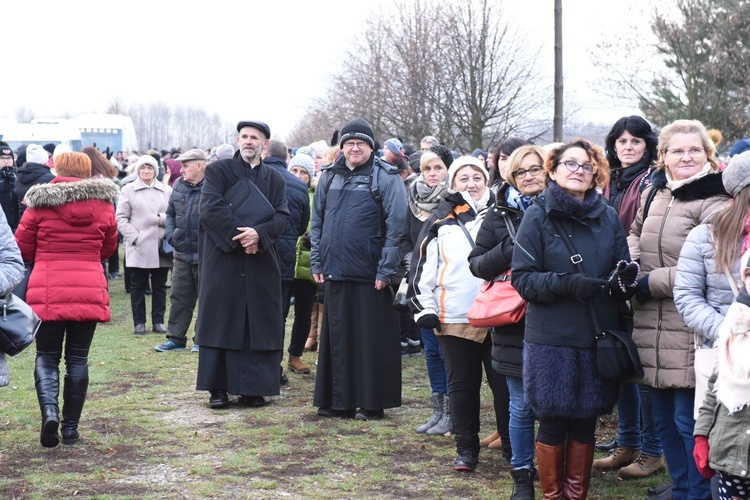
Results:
<point x="141" y="217"/>
<point x="665" y="343"/>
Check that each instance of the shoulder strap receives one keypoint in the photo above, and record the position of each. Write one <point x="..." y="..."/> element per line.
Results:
<point x="511" y="228"/>
<point x="576" y="259"/>
<point x="463" y="228"/>
<point x="649" y="199"/>
<point x="732" y="283"/>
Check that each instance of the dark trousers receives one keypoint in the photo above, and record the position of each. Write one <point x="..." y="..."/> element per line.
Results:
<point x="304" y="298"/>
<point x="464" y="360"/>
<point x="139" y="285"/>
<point x="77" y="336"/>
<point x="554" y="431"/>
<point x="113" y="263"/>
<point x="182" y="299"/>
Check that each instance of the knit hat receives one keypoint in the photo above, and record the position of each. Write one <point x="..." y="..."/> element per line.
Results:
<point x="6" y="151"/>
<point x="60" y="148"/>
<point x="36" y="154"/>
<point x="444" y="153"/>
<point x="224" y="151"/>
<point x="737" y="174"/>
<point x="49" y="147"/>
<point x="302" y="160"/>
<point x="146" y="160"/>
<point x="414" y="160"/>
<point x="306" y="150"/>
<point x="357" y="129"/>
<point x="478" y="152"/>
<point x="465" y="161"/>
<point x="394" y="145"/>
<point x="319" y="146"/>
<point x="72" y="164"/>
<point x="263" y="127"/>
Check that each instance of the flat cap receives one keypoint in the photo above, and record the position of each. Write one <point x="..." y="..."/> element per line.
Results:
<point x="192" y="154"/>
<point x="263" y="127"/>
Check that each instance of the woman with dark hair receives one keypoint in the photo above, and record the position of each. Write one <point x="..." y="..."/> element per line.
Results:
<point x="561" y="381"/>
<point x="685" y="190"/>
<point x="499" y="159"/>
<point x="631" y="152"/>
<point x="67" y="229"/>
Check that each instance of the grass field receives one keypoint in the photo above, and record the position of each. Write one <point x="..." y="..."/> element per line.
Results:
<point x="146" y="433"/>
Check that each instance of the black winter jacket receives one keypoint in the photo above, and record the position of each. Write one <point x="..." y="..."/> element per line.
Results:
<point x="541" y="260"/>
<point x="183" y="220"/>
<point x="8" y="198"/>
<point x="491" y="256"/>
<point x="27" y="176"/>
<point x="298" y="202"/>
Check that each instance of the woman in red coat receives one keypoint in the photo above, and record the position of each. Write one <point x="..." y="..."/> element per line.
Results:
<point x="67" y="230"/>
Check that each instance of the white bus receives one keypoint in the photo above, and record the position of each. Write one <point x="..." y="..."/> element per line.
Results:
<point x="42" y="132"/>
<point x="103" y="131"/>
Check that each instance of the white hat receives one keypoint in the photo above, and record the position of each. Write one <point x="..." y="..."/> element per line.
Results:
<point x="36" y="154"/>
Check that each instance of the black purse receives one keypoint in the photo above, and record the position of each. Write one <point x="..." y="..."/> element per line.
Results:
<point x="18" y="324"/>
<point x="616" y="354"/>
<point x="165" y="249"/>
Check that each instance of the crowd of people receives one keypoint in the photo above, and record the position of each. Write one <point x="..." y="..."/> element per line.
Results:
<point x="649" y="234"/>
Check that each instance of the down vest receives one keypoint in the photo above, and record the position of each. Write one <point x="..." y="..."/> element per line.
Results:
<point x="67" y="230"/>
<point x="702" y="292"/>
<point x="665" y="342"/>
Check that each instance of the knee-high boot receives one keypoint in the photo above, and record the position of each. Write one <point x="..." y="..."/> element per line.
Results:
<point x="315" y="318"/>
<point x="74" y="395"/>
<point x="578" y="462"/>
<point x="47" y="382"/>
<point x="551" y="461"/>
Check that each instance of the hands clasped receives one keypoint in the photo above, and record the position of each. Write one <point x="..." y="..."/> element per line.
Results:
<point x="249" y="239"/>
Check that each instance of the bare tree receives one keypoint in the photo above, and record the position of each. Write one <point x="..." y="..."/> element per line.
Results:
<point x="24" y="114"/>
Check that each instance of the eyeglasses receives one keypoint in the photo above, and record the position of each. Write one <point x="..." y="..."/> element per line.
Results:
<point x="535" y="170"/>
<point x="355" y="144"/>
<point x="573" y="166"/>
<point x="6" y="159"/>
<point x="679" y="153"/>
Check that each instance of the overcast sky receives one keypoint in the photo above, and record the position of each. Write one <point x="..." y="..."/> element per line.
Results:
<point x="249" y="59"/>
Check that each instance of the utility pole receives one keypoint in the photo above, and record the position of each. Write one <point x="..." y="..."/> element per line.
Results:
<point x="557" y="124"/>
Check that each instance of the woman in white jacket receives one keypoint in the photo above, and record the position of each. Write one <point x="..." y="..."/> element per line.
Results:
<point x="141" y="218"/>
<point x="443" y="291"/>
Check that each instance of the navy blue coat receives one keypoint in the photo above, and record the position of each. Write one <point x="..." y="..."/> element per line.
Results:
<point x="345" y="242"/>
<point x="183" y="220"/>
<point x="298" y="202"/>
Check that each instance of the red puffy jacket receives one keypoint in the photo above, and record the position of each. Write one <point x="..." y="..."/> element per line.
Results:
<point x="67" y="230"/>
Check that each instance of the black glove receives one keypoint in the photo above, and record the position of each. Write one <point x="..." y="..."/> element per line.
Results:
<point x="582" y="286"/>
<point x="626" y="274"/>
<point x="642" y="292"/>
<point x="429" y="322"/>
<point x="304" y="241"/>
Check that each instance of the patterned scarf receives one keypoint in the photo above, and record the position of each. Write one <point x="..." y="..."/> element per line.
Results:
<point x="516" y="200"/>
<point x="423" y="199"/>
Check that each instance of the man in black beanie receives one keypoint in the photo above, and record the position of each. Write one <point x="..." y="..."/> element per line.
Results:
<point x="358" y="216"/>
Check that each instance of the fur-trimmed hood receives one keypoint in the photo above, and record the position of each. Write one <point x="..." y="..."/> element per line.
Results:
<point x="64" y="190"/>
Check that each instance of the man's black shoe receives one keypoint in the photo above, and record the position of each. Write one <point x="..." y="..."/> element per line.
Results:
<point x="660" y="491"/>
<point x="252" y="401"/>
<point x="466" y="461"/>
<point x="607" y="446"/>
<point x="283" y="379"/>
<point x="330" y="412"/>
<point x="363" y="414"/>
<point x="218" y="399"/>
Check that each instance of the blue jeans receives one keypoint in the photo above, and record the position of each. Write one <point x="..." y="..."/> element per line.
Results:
<point x="521" y="425"/>
<point x="435" y="362"/>
<point x="635" y="422"/>
<point x="673" y="416"/>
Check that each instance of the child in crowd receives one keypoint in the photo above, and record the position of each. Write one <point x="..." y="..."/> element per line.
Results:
<point x="722" y="441"/>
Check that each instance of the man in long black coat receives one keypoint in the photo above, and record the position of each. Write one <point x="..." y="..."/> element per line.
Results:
<point x="355" y="231"/>
<point x="240" y="323"/>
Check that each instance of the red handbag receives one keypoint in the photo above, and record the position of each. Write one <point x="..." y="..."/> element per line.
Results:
<point x="498" y="304"/>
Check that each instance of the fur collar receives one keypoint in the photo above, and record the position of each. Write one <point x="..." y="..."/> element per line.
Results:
<point x="700" y="189"/>
<point x="59" y="193"/>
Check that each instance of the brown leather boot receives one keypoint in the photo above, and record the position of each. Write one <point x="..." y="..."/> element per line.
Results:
<point x="551" y="460"/>
<point x="312" y="338"/>
<point x="621" y="457"/>
<point x="578" y="462"/>
<point x="489" y="439"/>
<point x="296" y="365"/>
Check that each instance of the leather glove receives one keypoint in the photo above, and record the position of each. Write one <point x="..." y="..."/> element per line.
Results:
<point x="429" y="322"/>
<point x="642" y="292"/>
<point x="626" y="274"/>
<point x="582" y="286"/>
<point x="700" y="455"/>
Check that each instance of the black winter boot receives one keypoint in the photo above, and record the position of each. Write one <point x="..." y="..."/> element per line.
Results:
<point x="74" y="395"/>
<point x="523" y="484"/>
<point x="47" y="381"/>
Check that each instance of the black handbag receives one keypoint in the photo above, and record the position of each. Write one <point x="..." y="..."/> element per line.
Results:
<point x="18" y="324"/>
<point x="616" y="354"/>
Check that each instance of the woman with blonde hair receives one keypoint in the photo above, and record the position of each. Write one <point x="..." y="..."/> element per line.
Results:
<point x="561" y="381"/>
<point x="67" y="230"/>
<point x="685" y="190"/>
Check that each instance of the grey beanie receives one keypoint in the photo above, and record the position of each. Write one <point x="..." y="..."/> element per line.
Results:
<point x="302" y="160"/>
<point x="737" y="174"/>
